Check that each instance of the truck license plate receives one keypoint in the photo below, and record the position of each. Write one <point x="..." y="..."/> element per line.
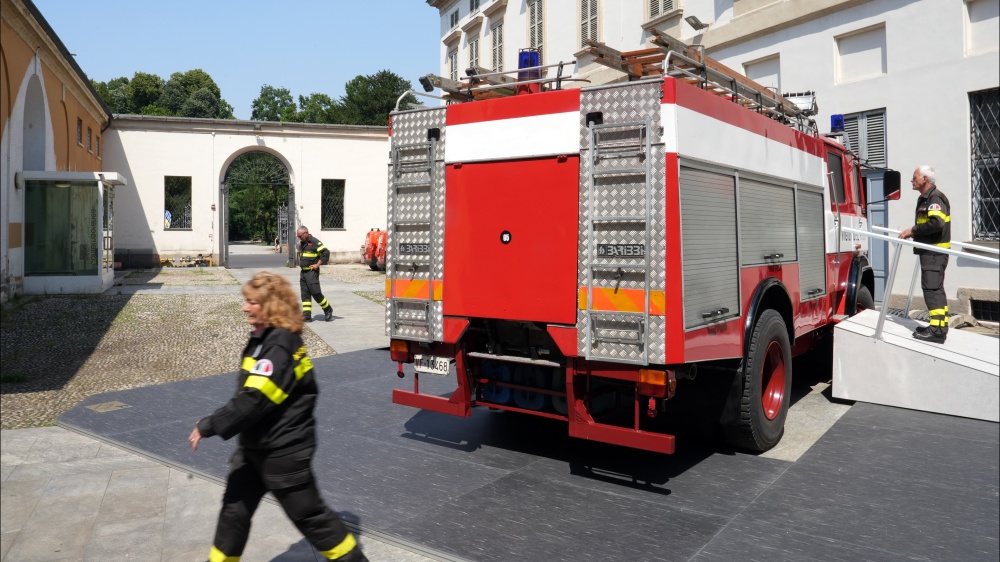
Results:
<point x="431" y="365"/>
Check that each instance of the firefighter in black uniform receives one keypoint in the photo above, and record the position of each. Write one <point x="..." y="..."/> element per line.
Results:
<point x="312" y="254"/>
<point x="272" y="412"/>
<point x="933" y="227"/>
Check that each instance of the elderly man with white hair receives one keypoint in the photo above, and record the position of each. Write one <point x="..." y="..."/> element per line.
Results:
<point x="933" y="218"/>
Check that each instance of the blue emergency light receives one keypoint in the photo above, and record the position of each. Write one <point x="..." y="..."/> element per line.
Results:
<point x="837" y="123"/>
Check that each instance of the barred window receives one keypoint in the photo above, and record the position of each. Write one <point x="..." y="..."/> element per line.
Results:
<point x="474" y="52"/>
<point x="496" y="34"/>
<point x="984" y="109"/>
<point x="79" y="131"/>
<point x="332" y="204"/>
<point x="588" y="21"/>
<point x="865" y="136"/>
<point x="473" y="6"/>
<point x="177" y="203"/>
<point x="535" y="30"/>
<point x="90" y="139"/>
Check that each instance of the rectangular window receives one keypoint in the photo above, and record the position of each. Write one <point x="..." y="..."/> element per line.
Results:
<point x="984" y="108"/>
<point x="332" y="204"/>
<point x="982" y="28"/>
<point x="453" y="65"/>
<point x="588" y="21"/>
<point x="79" y="131"/>
<point x="861" y="55"/>
<point x="90" y="140"/>
<point x="865" y="136"/>
<point x="473" y="6"/>
<point x="835" y="170"/>
<point x="453" y="20"/>
<point x="474" y="52"/>
<point x="496" y="34"/>
<point x="62" y="227"/>
<point x="766" y="72"/>
<point x="98" y="139"/>
<point x="659" y="7"/>
<point x="177" y="203"/>
<point x="535" y="30"/>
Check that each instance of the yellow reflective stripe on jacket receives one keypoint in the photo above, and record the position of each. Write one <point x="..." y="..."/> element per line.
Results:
<point x="216" y="555"/>
<point x="945" y="245"/>
<point x="944" y="217"/>
<point x="320" y="249"/>
<point x="248" y="363"/>
<point x="341" y="549"/>
<point x="304" y="366"/>
<point x="267" y="387"/>
<point x="309" y="254"/>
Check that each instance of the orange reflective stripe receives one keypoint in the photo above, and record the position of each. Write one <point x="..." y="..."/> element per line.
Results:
<point x="623" y="300"/>
<point x="413" y="289"/>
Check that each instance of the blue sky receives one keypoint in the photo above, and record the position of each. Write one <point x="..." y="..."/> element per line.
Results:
<point x="305" y="46"/>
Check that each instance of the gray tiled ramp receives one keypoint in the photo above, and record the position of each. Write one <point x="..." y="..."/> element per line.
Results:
<point x="501" y="486"/>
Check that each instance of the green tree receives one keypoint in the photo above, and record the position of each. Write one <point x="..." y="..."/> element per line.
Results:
<point x="369" y="99"/>
<point x="115" y="94"/>
<point x="202" y="103"/>
<point x="273" y="104"/>
<point x="144" y="90"/>
<point x="319" y="108"/>
<point x="258" y="185"/>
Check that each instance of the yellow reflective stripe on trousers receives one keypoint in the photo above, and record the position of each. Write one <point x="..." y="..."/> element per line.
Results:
<point x="938" y="311"/>
<point x="944" y="217"/>
<point x="266" y="387"/>
<point x="341" y="549"/>
<point x="939" y="323"/>
<point x="248" y="363"/>
<point x="216" y="555"/>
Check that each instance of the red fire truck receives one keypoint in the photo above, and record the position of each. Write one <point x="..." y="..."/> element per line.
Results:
<point x="574" y="253"/>
<point x="373" y="250"/>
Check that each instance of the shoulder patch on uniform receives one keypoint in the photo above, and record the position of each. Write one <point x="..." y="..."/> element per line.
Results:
<point x="934" y="207"/>
<point x="263" y="367"/>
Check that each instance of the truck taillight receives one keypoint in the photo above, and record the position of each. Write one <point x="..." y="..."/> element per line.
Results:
<point x="656" y="383"/>
<point x="399" y="350"/>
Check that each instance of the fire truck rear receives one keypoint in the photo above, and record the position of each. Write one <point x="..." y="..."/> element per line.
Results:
<point x="573" y="253"/>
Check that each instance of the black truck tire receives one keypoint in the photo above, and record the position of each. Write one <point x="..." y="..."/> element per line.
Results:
<point x="865" y="300"/>
<point x="766" y="382"/>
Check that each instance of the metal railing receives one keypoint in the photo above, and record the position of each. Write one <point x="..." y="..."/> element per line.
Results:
<point x="897" y="249"/>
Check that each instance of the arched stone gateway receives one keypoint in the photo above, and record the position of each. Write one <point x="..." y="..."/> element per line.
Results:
<point x="254" y="185"/>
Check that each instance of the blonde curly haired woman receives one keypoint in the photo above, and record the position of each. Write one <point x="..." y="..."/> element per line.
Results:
<point x="272" y="412"/>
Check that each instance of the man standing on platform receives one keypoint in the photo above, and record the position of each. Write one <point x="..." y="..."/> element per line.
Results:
<point x="933" y="227"/>
<point x="312" y="254"/>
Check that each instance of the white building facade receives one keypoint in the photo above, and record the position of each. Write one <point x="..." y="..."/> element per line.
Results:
<point x="917" y="82"/>
<point x="148" y="150"/>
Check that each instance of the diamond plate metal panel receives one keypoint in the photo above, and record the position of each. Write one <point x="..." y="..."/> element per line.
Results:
<point x="416" y="216"/>
<point x="623" y="194"/>
<point x="621" y="104"/>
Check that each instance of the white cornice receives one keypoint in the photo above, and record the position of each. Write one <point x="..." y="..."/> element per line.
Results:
<point x="497" y="6"/>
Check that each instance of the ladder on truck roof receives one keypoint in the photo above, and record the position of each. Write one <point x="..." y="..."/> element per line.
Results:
<point x="672" y="57"/>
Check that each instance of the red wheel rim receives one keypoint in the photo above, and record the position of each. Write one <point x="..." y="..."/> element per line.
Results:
<point x="772" y="382"/>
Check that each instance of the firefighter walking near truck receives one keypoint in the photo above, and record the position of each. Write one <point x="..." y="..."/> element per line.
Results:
<point x="272" y="412"/>
<point x="312" y="254"/>
<point x="933" y="226"/>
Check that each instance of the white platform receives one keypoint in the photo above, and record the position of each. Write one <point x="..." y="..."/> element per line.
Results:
<point x="960" y="377"/>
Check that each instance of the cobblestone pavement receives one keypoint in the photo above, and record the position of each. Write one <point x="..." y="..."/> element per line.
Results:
<point x="59" y="350"/>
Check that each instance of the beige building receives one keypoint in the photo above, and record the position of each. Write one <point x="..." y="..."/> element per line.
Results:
<point x="916" y="81"/>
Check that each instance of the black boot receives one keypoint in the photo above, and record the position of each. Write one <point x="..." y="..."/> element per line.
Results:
<point x="932" y="335"/>
<point x="921" y="329"/>
<point x="307" y="317"/>
<point x="329" y="313"/>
